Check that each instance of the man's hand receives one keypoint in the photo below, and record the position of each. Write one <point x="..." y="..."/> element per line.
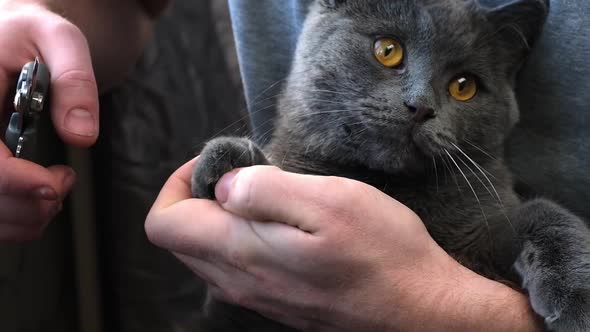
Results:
<point x="325" y="253"/>
<point x="31" y="195"/>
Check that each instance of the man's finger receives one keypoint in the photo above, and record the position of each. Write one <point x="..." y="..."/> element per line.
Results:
<point x="65" y="178"/>
<point x="196" y="227"/>
<point x="23" y="178"/>
<point x="28" y="213"/>
<point x="192" y="226"/>
<point x="267" y="193"/>
<point x="177" y="188"/>
<point x="202" y="228"/>
<point x="74" y="92"/>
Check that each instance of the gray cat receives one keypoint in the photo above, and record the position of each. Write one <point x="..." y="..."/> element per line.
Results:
<point x="416" y="97"/>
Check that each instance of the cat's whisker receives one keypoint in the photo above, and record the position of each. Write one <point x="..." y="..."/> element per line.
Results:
<point x="243" y="118"/>
<point x="285" y="154"/>
<point x="265" y="136"/>
<point x="472" y="190"/>
<point x="481" y="170"/>
<point x="342" y="121"/>
<point x="448" y="165"/>
<point x="270" y="87"/>
<point x="258" y="100"/>
<point x="478" y="178"/>
<point x="336" y="122"/>
<point x="330" y="112"/>
<point x="276" y="84"/>
<point x="325" y="101"/>
<point x="313" y="113"/>
<point x="484" y="185"/>
<point x="480" y="149"/>
<point x="435" y="173"/>
<point x="357" y="134"/>
<point x="328" y="91"/>
<point x="489" y="155"/>
<point x="355" y="123"/>
<point x="440" y="157"/>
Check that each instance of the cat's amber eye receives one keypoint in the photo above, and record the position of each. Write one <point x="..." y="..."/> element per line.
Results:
<point x="389" y="52"/>
<point x="463" y="88"/>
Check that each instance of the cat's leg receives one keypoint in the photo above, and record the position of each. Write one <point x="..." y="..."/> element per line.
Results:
<point x="220" y="156"/>
<point x="554" y="264"/>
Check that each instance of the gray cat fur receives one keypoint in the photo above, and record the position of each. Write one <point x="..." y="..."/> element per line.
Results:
<point x="342" y="113"/>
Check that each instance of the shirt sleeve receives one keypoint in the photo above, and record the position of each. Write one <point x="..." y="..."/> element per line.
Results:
<point x="266" y="32"/>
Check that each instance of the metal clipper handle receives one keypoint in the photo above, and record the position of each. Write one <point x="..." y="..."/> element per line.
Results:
<point x="29" y="101"/>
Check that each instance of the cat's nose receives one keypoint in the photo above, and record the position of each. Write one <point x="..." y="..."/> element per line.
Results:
<point x="421" y="113"/>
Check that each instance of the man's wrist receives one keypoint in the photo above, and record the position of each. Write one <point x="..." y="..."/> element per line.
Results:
<point x="475" y="303"/>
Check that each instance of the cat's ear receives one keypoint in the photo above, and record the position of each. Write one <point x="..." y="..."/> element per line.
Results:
<point x="331" y="3"/>
<point x="519" y="20"/>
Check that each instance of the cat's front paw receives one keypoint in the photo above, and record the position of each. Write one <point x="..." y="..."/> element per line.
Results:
<point x="220" y="156"/>
<point x="555" y="266"/>
<point x="562" y="298"/>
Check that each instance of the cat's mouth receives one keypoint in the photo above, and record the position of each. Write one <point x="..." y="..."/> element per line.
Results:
<point x="424" y="140"/>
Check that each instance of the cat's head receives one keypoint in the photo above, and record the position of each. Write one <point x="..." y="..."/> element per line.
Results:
<point x="393" y="83"/>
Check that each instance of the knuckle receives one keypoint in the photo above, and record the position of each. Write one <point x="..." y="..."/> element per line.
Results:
<point x="235" y="258"/>
<point x="245" y="187"/>
<point x="22" y="13"/>
<point x="59" y="26"/>
<point x="76" y="39"/>
<point x="17" y="21"/>
<point x="343" y="192"/>
<point x="239" y="258"/>
<point x="343" y="202"/>
<point x="249" y="187"/>
<point x="152" y="227"/>
<point x="76" y="79"/>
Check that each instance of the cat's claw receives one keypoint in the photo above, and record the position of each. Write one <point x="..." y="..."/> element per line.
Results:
<point x="220" y="156"/>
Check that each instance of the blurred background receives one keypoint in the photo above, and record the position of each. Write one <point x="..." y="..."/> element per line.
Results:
<point x="95" y="270"/>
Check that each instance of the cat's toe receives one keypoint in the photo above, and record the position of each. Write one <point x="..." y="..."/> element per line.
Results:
<point x="574" y="314"/>
<point x="220" y="156"/>
<point x="563" y="302"/>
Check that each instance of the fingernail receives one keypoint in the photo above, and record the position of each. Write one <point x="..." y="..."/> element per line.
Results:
<point x="224" y="185"/>
<point x="80" y="122"/>
<point x="45" y="193"/>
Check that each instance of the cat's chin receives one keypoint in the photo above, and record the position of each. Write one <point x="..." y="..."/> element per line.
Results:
<point x="409" y="160"/>
<point x="427" y="144"/>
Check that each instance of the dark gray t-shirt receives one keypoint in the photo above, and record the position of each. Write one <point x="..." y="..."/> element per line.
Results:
<point x="550" y="149"/>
